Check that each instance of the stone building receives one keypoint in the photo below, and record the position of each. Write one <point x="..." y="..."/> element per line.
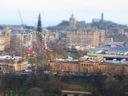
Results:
<point x="22" y="38"/>
<point x="2" y="42"/>
<point x="123" y="31"/>
<point x="4" y="39"/>
<point x="87" y="65"/>
<point x="84" y="65"/>
<point x="50" y="36"/>
<point x="13" y="65"/>
<point x="7" y="38"/>
<point x="91" y="37"/>
<point x="64" y="66"/>
<point x="53" y="36"/>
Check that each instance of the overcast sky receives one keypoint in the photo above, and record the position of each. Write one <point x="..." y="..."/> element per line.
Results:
<point x="54" y="11"/>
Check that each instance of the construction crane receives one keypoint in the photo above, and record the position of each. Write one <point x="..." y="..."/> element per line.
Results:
<point x="21" y="17"/>
<point x="22" y="23"/>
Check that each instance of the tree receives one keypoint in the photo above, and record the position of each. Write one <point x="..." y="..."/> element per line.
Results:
<point x="52" y="88"/>
<point x="36" y="92"/>
<point x="48" y="85"/>
<point x="112" y="87"/>
<point x="98" y="82"/>
<point x="2" y="83"/>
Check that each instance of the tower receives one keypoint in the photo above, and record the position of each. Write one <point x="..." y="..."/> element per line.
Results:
<point x="102" y="16"/>
<point x="39" y="25"/>
<point x="72" y="22"/>
<point x="39" y="29"/>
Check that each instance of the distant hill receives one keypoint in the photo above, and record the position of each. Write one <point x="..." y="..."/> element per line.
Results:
<point x="64" y="25"/>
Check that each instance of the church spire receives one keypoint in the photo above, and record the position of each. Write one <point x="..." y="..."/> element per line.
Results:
<point x="39" y="25"/>
<point x="39" y="29"/>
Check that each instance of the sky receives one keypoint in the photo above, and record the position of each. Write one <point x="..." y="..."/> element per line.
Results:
<point x="17" y="12"/>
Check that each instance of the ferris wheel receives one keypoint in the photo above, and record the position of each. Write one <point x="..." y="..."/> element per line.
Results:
<point x="39" y="45"/>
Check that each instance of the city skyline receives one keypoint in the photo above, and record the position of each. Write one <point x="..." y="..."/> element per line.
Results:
<point x="54" y="11"/>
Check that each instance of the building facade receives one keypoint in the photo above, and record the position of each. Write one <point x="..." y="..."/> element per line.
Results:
<point x="13" y="65"/>
<point x="92" y="37"/>
<point x="84" y="65"/>
<point x="5" y="39"/>
<point x="87" y="65"/>
<point x="2" y="42"/>
<point x="64" y="66"/>
<point x="22" y="38"/>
